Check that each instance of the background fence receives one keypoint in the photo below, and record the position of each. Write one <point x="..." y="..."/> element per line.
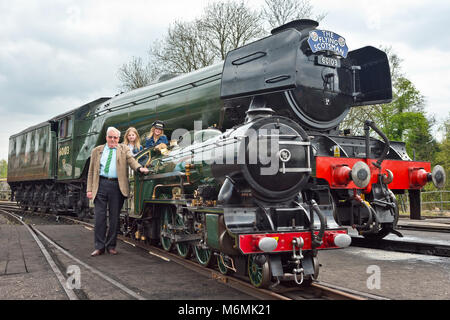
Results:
<point x="5" y="192"/>
<point x="436" y="201"/>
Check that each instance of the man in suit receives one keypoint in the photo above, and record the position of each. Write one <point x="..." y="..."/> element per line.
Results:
<point x="108" y="185"/>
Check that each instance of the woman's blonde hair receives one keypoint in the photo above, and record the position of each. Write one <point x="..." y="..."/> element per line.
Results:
<point x="152" y="132"/>
<point x="137" y="142"/>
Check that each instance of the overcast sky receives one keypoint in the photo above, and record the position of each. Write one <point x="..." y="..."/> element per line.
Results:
<point x="56" y="55"/>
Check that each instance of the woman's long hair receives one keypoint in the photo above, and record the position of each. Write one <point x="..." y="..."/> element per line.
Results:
<point x="137" y="142"/>
<point x="152" y="132"/>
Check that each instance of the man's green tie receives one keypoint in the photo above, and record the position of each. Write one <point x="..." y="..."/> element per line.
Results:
<point x="108" y="162"/>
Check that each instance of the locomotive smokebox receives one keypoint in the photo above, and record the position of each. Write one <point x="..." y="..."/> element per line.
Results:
<point x="307" y="74"/>
<point x="272" y="154"/>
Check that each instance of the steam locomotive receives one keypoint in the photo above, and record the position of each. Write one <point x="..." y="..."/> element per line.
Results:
<point x="258" y="176"/>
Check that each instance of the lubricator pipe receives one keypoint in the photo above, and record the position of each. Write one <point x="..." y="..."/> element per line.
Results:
<point x="317" y="240"/>
<point x="370" y="124"/>
<point x="375" y="228"/>
<point x="372" y="216"/>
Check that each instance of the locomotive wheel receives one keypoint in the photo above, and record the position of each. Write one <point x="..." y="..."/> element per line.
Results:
<point x="183" y="248"/>
<point x="260" y="276"/>
<point x="23" y="206"/>
<point x="220" y="264"/>
<point x="34" y="207"/>
<point x="166" y="219"/>
<point x="203" y="256"/>
<point x="54" y="209"/>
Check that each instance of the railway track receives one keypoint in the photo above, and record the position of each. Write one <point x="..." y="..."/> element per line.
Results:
<point x="44" y="242"/>
<point x="432" y="249"/>
<point x="317" y="290"/>
<point x="436" y="248"/>
<point x="424" y="228"/>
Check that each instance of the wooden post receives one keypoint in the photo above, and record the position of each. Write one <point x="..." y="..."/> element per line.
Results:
<point x="414" y="204"/>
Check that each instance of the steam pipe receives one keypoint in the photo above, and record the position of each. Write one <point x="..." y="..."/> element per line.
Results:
<point x="387" y="145"/>
<point x="317" y="240"/>
<point x="375" y="228"/>
<point x="372" y="216"/>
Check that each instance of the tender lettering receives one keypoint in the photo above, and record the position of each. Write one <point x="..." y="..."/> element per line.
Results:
<point x="63" y="151"/>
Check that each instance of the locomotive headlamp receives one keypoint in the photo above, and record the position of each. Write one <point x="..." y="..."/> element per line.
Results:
<point x="267" y="244"/>
<point x="361" y="174"/>
<point x="342" y="240"/>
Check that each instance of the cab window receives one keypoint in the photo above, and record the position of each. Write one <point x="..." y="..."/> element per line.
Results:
<point x="65" y="127"/>
<point x="69" y="127"/>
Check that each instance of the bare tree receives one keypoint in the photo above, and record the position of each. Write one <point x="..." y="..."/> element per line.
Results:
<point x="279" y="12"/>
<point x="222" y="27"/>
<point x="229" y="25"/>
<point x="135" y="74"/>
<point x="184" y="49"/>
<point x="188" y="46"/>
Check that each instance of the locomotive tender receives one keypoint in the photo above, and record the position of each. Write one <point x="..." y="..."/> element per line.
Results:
<point x="260" y="178"/>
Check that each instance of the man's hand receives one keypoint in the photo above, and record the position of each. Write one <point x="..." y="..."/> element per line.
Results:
<point x="143" y="170"/>
<point x="161" y="146"/>
<point x="89" y="195"/>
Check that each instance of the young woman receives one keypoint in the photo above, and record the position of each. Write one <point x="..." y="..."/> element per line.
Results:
<point x="156" y="138"/>
<point x="132" y="140"/>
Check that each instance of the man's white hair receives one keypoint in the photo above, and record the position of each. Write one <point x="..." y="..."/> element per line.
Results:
<point x="114" y="130"/>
